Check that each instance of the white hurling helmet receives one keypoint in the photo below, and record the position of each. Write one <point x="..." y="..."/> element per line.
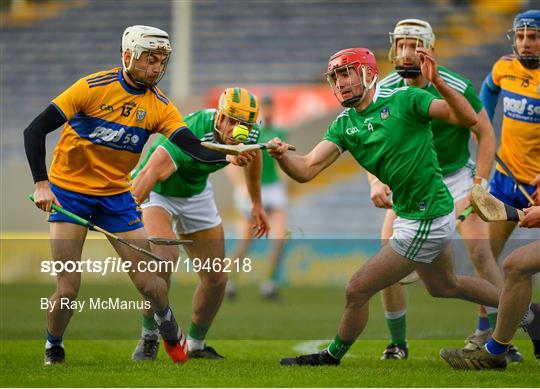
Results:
<point x="139" y="39"/>
<point x="410" y="29"/>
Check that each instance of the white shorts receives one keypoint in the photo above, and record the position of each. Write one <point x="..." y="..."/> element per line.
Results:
<point x="273" y="197"/>
<point x="460" y="182"/>
<point x="189" y="214"/>
<point x="422" y="240"/>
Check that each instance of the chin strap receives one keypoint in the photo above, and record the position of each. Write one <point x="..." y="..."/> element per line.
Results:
<point x="529" y="61"/>
<point x="409" y="72"/>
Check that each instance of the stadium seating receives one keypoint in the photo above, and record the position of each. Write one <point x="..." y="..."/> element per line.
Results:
<point x="39" y="61"/>
<point x="265" y="42"/>
<point x="289" y="41"/>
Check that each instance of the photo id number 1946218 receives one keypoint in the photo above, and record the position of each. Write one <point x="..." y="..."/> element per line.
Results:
<point x="217" y="265"/>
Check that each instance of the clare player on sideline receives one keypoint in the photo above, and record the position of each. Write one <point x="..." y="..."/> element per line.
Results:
<point x="108" y="117"/>
<point x="459" y="173"/>
<point x="388" y="133"/>
<point x="181" y="202"/>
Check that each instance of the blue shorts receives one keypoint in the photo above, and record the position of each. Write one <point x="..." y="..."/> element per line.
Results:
<point x="116" y="213"/>
<point x="504" y="189"/>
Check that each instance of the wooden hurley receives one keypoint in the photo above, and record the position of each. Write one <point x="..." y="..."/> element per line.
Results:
<point x="238" y="149"/>
<point x="168" y="242"/>
<point x="491" y="209"/>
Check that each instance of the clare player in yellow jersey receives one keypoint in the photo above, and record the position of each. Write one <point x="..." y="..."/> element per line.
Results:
<point x="108" y="117"/>
<point x="517" y="79"/>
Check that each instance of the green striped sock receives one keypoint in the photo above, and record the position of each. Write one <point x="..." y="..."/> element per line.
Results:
<point x="149" y="323"/>
<point x="398" y="330"/>
<point x="338" y="347"/>
<point x="198" y="331"/>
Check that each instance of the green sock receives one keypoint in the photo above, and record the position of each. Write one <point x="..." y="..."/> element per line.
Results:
<point x="149" y="323"/>
<point x="398" y="330"/>
<point x="198" y="331"/>
<point x="338" y="347"/>
<point x="492" y="318"/>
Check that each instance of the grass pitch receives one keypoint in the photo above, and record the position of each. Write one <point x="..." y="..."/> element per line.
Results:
<point x="253" y="335"/>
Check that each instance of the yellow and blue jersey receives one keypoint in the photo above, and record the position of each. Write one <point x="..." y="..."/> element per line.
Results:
<point x="107" y="124"/>
<point x="520" y="138"/>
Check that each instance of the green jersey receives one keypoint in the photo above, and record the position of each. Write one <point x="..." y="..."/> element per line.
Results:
<point x="191" y="176"/>
<point x="391" y="139"/>
<point x="270" y="172"/>
<point x="451" y="142"/>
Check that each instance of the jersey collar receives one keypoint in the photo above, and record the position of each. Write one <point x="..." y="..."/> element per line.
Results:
<point x="127" y="87"/>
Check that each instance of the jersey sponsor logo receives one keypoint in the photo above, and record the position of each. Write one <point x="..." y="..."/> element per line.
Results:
<point x="352" y="130"/>
<point x="110" y="134"/>
<point x="522" y="108"/>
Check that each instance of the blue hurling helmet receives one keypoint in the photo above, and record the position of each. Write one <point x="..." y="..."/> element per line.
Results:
<point x="528" y="20"/>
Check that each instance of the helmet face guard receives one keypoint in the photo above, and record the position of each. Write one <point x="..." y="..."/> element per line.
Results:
<point x="417" y="29"/>
<point x="236" y="106"/>
<point x="356" y="63"/>
<point x="143" y="69"/>
<point x="150" y="40"/>
<point x="524" y="23"/>
<point x="405" y="71"/>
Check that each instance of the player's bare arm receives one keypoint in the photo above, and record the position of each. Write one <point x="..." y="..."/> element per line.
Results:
<point x="160" y="166"/>
<point x="486" y="147"/>
<point x="259" y="220"/>
<point x="235" y="176"/>
<point x="304" y="168"/>
<point x="454" y="109"/>
<point x="379" y="192"/>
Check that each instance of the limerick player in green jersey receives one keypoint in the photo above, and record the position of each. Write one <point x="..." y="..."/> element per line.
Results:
<point x="388" y="133"/>
<point x="459" y="172"/>
<point x="274" y="198"/>
<point x="181" y="202"/>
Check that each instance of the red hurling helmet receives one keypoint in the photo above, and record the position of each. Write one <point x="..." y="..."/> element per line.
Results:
<point x="362" y="61"/>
